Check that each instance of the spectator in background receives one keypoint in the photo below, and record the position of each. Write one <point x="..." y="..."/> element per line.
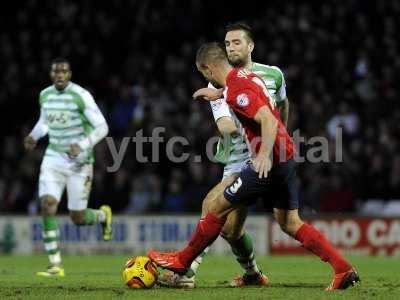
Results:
<point x="145" y="194"/>
<point x="174" y="200"/>
<point x="395" y="178"/>
<point x="341" y="64"/>
<point x="337" y="195"/>
<point x="345" y="119"/>
<point x="123" y="112"/>
<point x="196" y="187"/>
<point x="140" y="197"/>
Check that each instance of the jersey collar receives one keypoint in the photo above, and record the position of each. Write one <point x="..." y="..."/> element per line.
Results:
<point x="65" y="89"/>
<point x="231" y="75"/>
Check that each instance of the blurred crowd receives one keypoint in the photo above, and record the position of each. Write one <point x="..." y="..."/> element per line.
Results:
<point x="340" y="60"/>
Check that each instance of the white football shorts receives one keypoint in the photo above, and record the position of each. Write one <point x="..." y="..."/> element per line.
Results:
<point x="56" y="174"/>
<point x="234" y="168"/>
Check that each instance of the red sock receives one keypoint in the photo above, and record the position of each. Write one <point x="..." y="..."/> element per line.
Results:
<point x="206" y="232"/>
<point x="315" y="241"/>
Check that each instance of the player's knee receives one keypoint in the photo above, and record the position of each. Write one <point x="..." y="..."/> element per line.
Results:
<point x="220" y="207"/>
<point x="77" y="217"/>
<point x="230" y="234"/>
<point x="207" y="203"/>
<point x="48" y="205"/>
<point x="213" y="208"/>
<point x="226" y="233"/>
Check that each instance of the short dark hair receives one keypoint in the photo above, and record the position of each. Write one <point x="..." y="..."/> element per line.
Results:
<point x="241" y="26"/>
<point x="60" y="60"/>
<point x="210" y="52"/>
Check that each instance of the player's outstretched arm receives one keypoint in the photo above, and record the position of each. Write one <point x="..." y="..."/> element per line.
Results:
<point x="208" y="94"/>
<point x="39" y="130"/>
<point x="220" y="109"/>
<point x="269" y="125"/>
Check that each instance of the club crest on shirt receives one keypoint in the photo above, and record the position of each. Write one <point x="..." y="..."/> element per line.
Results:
<point x="242" y="100"/>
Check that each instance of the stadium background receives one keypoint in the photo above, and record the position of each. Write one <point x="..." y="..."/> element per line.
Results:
<point x="340" y="60"/>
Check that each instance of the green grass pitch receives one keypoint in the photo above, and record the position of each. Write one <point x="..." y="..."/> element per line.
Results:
<point x="291" y="277"/>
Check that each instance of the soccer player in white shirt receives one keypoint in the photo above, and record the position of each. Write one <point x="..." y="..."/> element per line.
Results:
<point x="74" y="124"/>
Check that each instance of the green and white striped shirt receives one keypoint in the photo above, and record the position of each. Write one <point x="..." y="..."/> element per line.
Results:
<point x="69" y="116"/>
<point x="273" y="79"/>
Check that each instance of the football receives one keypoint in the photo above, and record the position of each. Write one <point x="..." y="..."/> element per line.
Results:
<point x="140" y="273"/>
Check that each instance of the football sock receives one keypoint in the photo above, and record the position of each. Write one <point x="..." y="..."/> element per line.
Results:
<point x="315" y="241"/>
<point x="206" y="232"/>
<point x="244" y="252"/>
<point x="196" y="263"/>
<point x="93" y="216"/>
<point x="51" y="237"/>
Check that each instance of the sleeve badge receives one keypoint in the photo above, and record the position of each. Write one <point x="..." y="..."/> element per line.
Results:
<point x="242" y="100"/>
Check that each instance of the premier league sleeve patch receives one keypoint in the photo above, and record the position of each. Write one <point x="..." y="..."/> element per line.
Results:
<point x="242" y="100"/>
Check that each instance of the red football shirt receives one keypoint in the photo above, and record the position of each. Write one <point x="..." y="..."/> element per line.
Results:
<point x="246" y="93"/>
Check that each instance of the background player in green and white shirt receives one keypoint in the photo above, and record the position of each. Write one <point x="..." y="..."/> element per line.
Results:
<point x="74" y="124"/>
<point x="233" y="152"/>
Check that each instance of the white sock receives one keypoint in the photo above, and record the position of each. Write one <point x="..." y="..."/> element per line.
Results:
<point x="197" y="262"/>
<point x="101" y="215"/>
<point x="55" y="259"/>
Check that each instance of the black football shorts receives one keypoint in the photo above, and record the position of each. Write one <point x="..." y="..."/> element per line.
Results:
<point x="279" y="188"/>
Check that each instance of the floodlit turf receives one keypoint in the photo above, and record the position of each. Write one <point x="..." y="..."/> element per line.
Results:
<point x="99" y="277"/>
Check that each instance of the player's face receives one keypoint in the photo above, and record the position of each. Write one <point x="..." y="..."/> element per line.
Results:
<point x="238" y="47"/>
<point x="60" y="74"/>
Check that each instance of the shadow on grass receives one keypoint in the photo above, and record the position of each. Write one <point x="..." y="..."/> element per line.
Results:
<point x="297" y="285"/>
<point x="225" y="285"/>
<point x="27" y="290"/>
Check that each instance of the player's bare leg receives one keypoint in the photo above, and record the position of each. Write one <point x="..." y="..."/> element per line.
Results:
<point x="288" y="220"/>
<point x="187" y="280"/>
<point x="91" y="216"/>
<point x="78" y="189"/>
<point x="240" y="241"/>
<point x="314" y="241"/>
<point x="242" y="247"/>
<point x="51" y="237"/>
<point x="206" y="232"/>
<point x="51" y="233"/>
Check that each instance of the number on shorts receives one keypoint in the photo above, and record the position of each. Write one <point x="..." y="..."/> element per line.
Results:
<point x="234" y="187"/>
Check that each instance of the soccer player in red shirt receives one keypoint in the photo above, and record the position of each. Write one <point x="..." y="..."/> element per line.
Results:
<point x="271" y="175"/>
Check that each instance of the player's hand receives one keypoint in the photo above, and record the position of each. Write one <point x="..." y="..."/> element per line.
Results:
<point x="74" y="150"/>
<point x="29" y="143"/>
<point x="208" y="94"/>
<point x="262" y="165"/>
